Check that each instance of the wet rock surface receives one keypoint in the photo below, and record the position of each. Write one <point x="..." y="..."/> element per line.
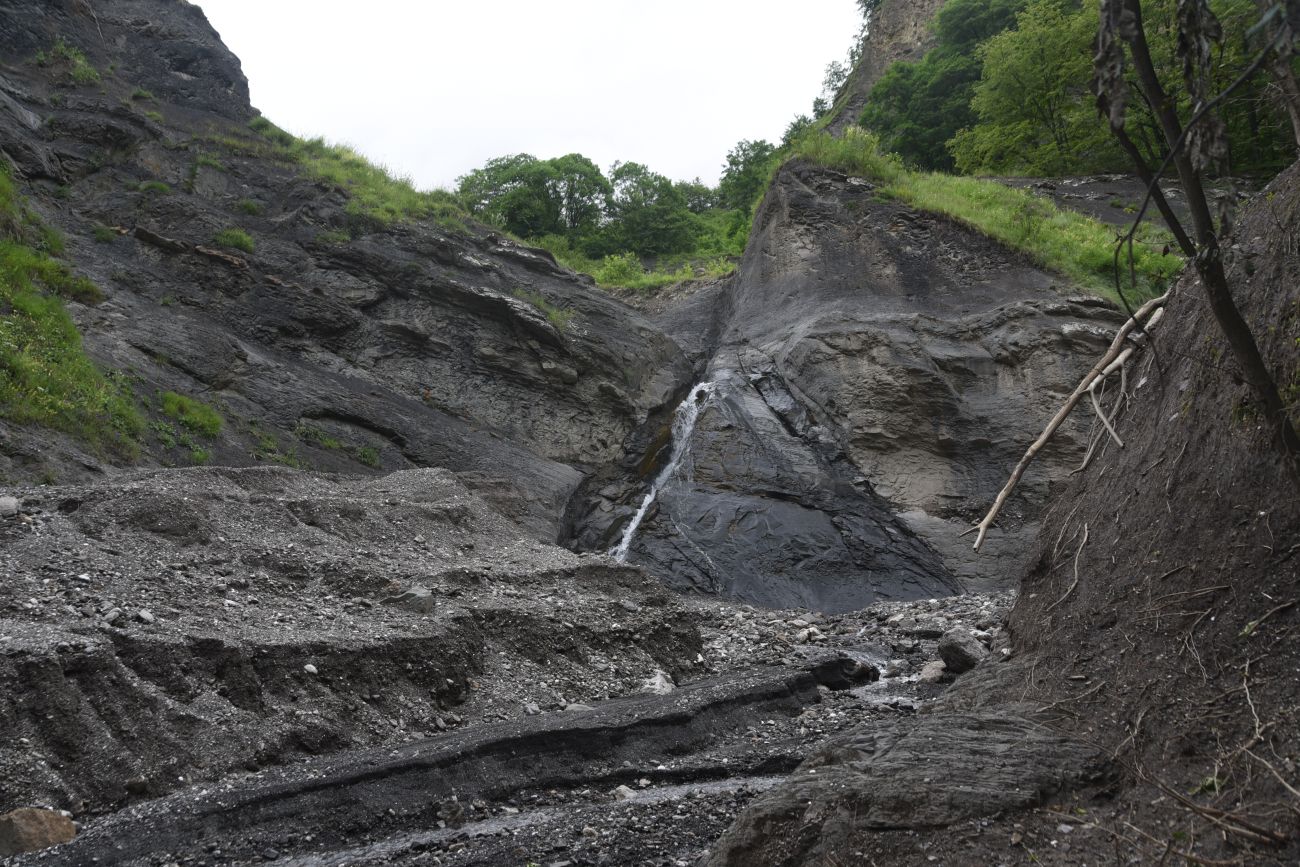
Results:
<point x="878" y="372"/>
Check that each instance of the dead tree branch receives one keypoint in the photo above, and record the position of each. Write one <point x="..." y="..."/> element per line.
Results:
<point x="1143" y="315"/>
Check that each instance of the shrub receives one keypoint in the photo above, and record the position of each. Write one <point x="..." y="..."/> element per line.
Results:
<point x="71" y="60"/>
<point x="236" y="239"/>
<point x="191" y="414"/>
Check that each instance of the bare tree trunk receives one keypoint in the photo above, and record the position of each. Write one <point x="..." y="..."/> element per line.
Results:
<point x="1208" y="260"/>
<point x="1285" y="79"/>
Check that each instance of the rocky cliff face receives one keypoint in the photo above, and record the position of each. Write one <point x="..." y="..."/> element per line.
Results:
<point x="897" y="30"/>
<point x="877" y="371"/>
<point x="336" y="336"/>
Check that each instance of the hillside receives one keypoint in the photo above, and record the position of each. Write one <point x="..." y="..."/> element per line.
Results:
<point x="337" y="526"/>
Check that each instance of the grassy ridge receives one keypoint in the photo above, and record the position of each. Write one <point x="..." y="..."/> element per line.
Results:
<point x="373" y="193"/>
<point x="1070" y="243"/>
<point x="45" y="376"/>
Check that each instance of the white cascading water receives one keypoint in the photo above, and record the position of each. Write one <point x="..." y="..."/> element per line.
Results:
<point x="683" y="425"/>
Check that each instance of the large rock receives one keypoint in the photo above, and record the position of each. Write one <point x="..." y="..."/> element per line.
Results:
<point x="960" y="650"/>
<point x="29" y="829"/>
<point x="929" y="771"/>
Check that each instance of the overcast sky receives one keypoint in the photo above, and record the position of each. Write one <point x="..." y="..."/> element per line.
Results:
<point x="433" y="89"/>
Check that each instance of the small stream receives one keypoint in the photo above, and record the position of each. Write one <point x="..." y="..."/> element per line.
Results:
<point x="683" y="426"/>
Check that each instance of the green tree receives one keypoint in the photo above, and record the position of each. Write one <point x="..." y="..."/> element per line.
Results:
<point x="917" y="107"/>
<point x="745" y="174"/>
<point x="1035" y="114"/>
<point x="581" y="190"/>
<point x="699" y="196"/>
<point x="1034" y="110"/>
<point x="649" y="215"/>
<point x="516" y="192"/>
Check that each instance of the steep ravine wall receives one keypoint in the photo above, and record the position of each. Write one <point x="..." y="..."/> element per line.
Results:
<point x="897" y="30"/>
<point x="1153" y="641"/>
<point x="337" y="342"/>
<point x="880" y="372"/>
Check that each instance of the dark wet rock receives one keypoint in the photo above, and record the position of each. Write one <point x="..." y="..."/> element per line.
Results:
<point x="879" y="372"/>
<point x="347" y="800"/>
<point x="30" y="829"/>
<point x="931" y="771"/>
<point x="408" y="344"/>
<point x="960" y="650"/>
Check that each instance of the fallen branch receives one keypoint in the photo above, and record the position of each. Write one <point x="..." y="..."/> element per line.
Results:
<point x="1115" y="350"/>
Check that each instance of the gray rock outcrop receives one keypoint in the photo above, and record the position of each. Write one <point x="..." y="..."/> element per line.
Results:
<point x="878" y="371"/>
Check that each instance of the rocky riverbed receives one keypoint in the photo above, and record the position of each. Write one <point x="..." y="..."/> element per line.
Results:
<point x="199" y="635"/>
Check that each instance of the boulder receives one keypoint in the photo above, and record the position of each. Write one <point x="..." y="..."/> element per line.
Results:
<point x="961" y="650"/>
<point x="29" y="829"/>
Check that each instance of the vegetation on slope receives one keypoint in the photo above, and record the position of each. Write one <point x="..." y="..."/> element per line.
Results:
<point x="374" y="194"/>
<point x="1006" y="89"/>
<point x="45" y="376"/>
<point x="1076" y="246"/>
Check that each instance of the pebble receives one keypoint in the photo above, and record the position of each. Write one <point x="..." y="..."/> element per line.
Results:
<point x="144" y="615"/>
<point x="8" y="507"/>
<point x="622" y="793"/>
<point x="310" y="669"/>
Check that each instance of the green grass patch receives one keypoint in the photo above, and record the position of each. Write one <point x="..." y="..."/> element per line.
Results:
<point x="141" y="94"/>
<point x="70" y="62"/>
<point x="250" y="207"/>
<point x="46" y="378"/>
<point x="317" y="437"/>
<point x="557" y="316"/>
<point x="373" y="192"/>
<point x="191" y="414"/>
<point x="200" y="456"/>
<point x="1070" y="243"/>
<point x="333" y="236"/>
<point x="103" y="234"/>
<point x="154" y="115"/>
<point x="368" y="455"/>
<point x="267" y="448"/>
<point x="235" y="239"/>
<point x="624" y="270"/>
<point x="153" y="188"/>
<point x="209" y="161"/>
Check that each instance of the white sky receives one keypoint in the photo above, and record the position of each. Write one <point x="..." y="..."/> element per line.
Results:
<point x="434" y="89"/>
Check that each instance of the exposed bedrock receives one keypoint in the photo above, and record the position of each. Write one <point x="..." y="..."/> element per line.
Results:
<point x="878" y="372"/>
<point x="334" y="334"/>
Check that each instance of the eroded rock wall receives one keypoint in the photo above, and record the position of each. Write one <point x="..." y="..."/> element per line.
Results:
<point x="880" y="371"/>
<point x="338" y="341"/>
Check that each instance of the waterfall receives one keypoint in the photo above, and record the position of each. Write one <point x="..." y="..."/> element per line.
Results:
<point x="683" y="425"/>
